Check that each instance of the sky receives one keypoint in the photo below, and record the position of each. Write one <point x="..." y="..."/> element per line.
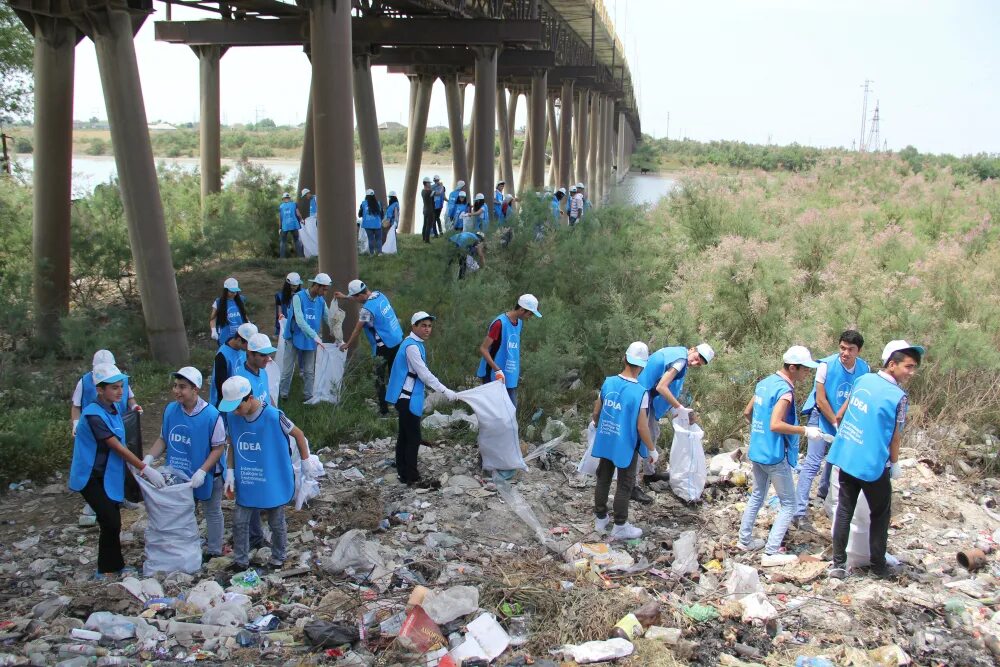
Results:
<point x="760" y="71"/>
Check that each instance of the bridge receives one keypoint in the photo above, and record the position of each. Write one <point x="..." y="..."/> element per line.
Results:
<point x="563" y="56"/>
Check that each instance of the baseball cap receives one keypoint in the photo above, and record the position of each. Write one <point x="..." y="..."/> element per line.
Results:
<point x="369" y="192"/>
<point x="191" y="374"/>
<point x="392" y="193"/>
<point x="463" y="193"/>
<point x="436" y="177"/>
<point x="246" y="331"/>
<point x="581" y="186"/>
<point x="706" y="352"/>
<point x="305" y="191"/>
<point x="355" y="287"/>
<point x="321" y="279"/>
<point x="233" y="391"/>
<point x="102" y="357"/>
<point x="637" y="354"/>
<point x="460" y="185"/>
<point x="501" y="182"/>
<point x="426" y="179"/>
<point x="480" y="236"/>
<point x="896" y="346"/>
<point x="572" y="188"/>
<point x="421" y="315"/>
<point x="107" y="374"/>
<point x="294" y="278"/>
<point x="261" y="344"/>
<point x="480" y="196"/>
<point x="799" y="354"/>
<point x="562" y="190"/>
<point x="286" y="196"/>
<point x="232" y="285"/>
<point x="530" y="303"/>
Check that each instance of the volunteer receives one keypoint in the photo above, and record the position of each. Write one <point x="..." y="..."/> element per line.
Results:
<point x="391" y="217"/>
<point x="254" y="366"/>
<point x="459" y="210"/>
<point x="556" y="204"/>
<point x="370" y="212"/>
<point x="498" y="200"/>
<point x="427" y="198"/>
<point x="223" y="322"/>
<point x="774" y="446"/>
<point x="501" y="348"/>
<point x="228" y="360"/>
<point x="97" y="470"/>
<point x="866" y="449"/>
<point x="259" y="471"/>
<point x="468" y="245"/>
<point x="193" y="436"/>
<point x="586" y="205"/>
<point x="85" y="391"/>
<point x="824" y="408"/>
<point x="476" y="219"/>
<point x="291" y="222"/>
<point x="381" y="326"/>
<point x="576" y="206"/>
<point x="283" y="299"/>
<point x="452" y="198"/>
<point x="621" y="429"/>
<point x="440" y="197"/>
<point x="313" y="202"/>
<point x="303" y="334"/>
<point x="407" y="382"/>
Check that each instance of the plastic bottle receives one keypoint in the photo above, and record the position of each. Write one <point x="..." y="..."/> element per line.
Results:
<point x="78" y="661"/>
<point x="627" y="628"/>
<point x="82" y="649"/>
<point x="114" y="661"/>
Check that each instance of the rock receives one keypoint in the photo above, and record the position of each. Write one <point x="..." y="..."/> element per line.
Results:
<point x="666" y="635"/>
<point x="463" y="482"/>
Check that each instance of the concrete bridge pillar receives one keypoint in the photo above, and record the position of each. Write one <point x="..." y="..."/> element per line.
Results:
<point x="485" y="119"/>
<point x="368" y="137"/>
<point x="307" y="163"/>
<point x="524" y="175"/>
<point x="582" y="152"/>
<point x="566" y="135"/>
<point x="470" y="144"/>
<point x="594" y="160"/>
<point x="421" y="88"/>
<point x="460" y="168"/>
<point x="553" y="130"/>
<point x="536" y="128"/>
<point x="621" y="147"/>
<point x="209" y="123"/>
<point x="506" y="146"/>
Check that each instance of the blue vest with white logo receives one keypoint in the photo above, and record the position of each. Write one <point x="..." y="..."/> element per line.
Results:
<point x="766" y="446"/>
<point x="313" y="205"/>
<point x="464" y="239"/>
<point x="658" y="364"/>
<point x="508" y="356"/>
<point x="289" y="221"/>
<point x="262" y="460"/>
<point x="861" y="447"/>
<point x="837" y="387"/>
<point x="88" y="393"/>
<point x="233" y="321"/>
<point x="617" y="426"/>
<point x="555" y="209"/>
<point x="189" y="441"/>
<point x="234" y="359"/>
<point x="498" y="203"/>
<point x="313" y="310"/>
<point x="258" y="383"/>
<point x="384" y="322"/>
<point x="370" y="219"/>
<point x="456" y="215"/>
<point x="85" y="453"/>
<point x="452" y="198"/>
<point x="400" y="371"/>
<point x="439" y="195"/>
<point x="392" y="213"/>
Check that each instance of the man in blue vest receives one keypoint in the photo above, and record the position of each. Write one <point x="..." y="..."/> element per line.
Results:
<point x="407" y="382"/>
<point x="229" y="359"/>
<point x="824" y="408"/>
<point x="774" y="447"/>
<point x="193" y="436"/>
<point x="866" y="449"/>
<point x="501" y="348"/>
<point x="313" y="202"/>
<point x="304" y="333"/>
<point x="440" y="197"/>
<point x="468" y="245"/>
<point x="621" y="436"/>
<point x="290" y="221"/>
<point x="381" y="326"/>
<point x="498" y="200"/>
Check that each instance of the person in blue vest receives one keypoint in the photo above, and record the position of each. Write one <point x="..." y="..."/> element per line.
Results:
<point x="303" y="335"/>
<point x="774" y="446"/>
<point x="452" y="198"/>
<point x="621" y="428"/>
<point x="476" y="219"/>
<point x="824" y="408"/>
<point x="259" y="470"/>
<point x="97" y="470"/>
<point x="407" y="382"/>
<point x="498" y="199"/>
<point x="370" y="212"/>
<point x="228" y="360"/>
<point x="501" y="348"/>
<point x="866" y="449"/>
<point x="193" y="436"/>
<point x="581" y="191"/>
<point x="427" y="200"/>
<point x="556" y="204"/>
<point x="313" y="202"/>
<point x="468" y="245"/>
<point x="440" y="197"/>
<point x="459" y="210"/>
<point x="254" y="367"/>
<point x="290" y="221"/>
<point x="392" y="215"/>
<point x="223" y="321"/>
<point x="378" y="321"/>
<point x="283" y="299"/>
<point x="85" y="391"/>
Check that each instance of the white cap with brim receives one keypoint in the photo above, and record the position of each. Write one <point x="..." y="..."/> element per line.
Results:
<point x="706" y="352"/>
<point x="356" y="287"/>
<point x="897" y="345"/>
<point x="637" y="354"/>
<point x="562" y="190"/>
<point x="191" y="374"/>
<point x="305" y="191"/>
<point x="294" y="278"/>
<point x="392" y="193"/>
<point x="530" y="303"/>
<point x="108" y="374"/>
<point x="322" y="279"/>
<point x="460" y="185"/>
<point x="581" y="186"/>
<point x="234" y="390"/>
<point x="261" y="344"/>
<point x="480" y="196"/>
<point x="232" y="285"/>
<point x="287" y="195"/>
<point x="102" y="357"/>
<point x="247" y="330"/>
<point x="369" y="192"/>
<point x="421" y="315"/>
<point x="799" y="355"/>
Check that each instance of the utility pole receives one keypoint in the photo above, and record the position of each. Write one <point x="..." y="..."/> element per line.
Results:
<point x="873" y="133"/>
<point x="864" y="115"/>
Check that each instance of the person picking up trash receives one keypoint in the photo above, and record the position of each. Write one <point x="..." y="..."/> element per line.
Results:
<point x="774" y="446"/>
<point x="85" y="391"/>
<point x="621" y="437"/>
<point x="501" y="348"/>
<point x="259" y="468"/>
<point x="229" y="359"/>
<point x="304" y="333"/>
<point x="866" y="449"/>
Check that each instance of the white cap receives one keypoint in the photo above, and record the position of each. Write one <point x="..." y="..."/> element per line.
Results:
<point x="102" y="357"/>
<point x="421" y="315"/>
<point x="706" y="352"/>
<point x="305" y="191"/>
<point x="501" y="182"/>
<point x="530" y="303"/>
<point x="322" y="279"/>
<point x="463" y="193"/>
<point x="572" y="188"/>
<point x="261" y="343"/>
<point x="799" y="354"/>
<point x="369" y="192"/>
<point x="460" y="185"/>
<point x="247" y="330"/>
<point x="232" y="285"/>
<point x="426" y="179"/>
<point x="637" y="354"/>
<point x="356" y="287"/>
<point x="191" y="374"/>
<point x="562" y="190"/>
<point x="108" y="374"/>
<point x="286" y="196"/>
<point x="508" y="197"/>
<point x="436" y="177"/>
<point x="294" y="278"/>
<point x="233" y="391"/>
<point x="392" y="193"/>
<point x="896" y="346"/>
<point x="581" y="186"/>
<point x="480" y="196"/>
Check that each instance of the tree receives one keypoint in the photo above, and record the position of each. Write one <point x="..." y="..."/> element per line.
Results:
<point x="17" y="50"/>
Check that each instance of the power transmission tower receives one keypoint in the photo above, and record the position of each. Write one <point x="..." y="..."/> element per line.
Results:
<point x="873" y="133"/>
<point x="864" y="115"/>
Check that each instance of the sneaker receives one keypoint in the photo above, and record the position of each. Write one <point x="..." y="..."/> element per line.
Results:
<point x="656" y="477"/>
<point x="626" y="531"/>
<point x="601" y="525"/>
<point x="640" y="496"/>
<point x="103" y="576"/>
<point x="238" y="567"/>
<point x="276" y="565"/>
<point x="837" y="572"/>
<point x="128" y="571"/>
<point x="886" y="571"/>
<point x="755" y="545"/>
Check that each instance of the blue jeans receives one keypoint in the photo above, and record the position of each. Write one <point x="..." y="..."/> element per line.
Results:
<point x="211" y="509"/>
<point x="780" y="475"/>
<point x="241" y="534"/>
<point x="307" y="365"/>
<point x="374" y="241"/>
<point x="283" y="237"/>
<point x="815" y="458"/>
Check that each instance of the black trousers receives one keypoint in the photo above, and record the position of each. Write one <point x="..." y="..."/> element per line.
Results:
<point x="407" y="443"/>
<point x="109" y="518"/>
<point x="384" y="356"/>
<point x="428" y="225"/>
<point x="879" y="497"/>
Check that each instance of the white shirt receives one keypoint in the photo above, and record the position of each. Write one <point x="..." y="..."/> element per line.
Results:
<point x="822" y="369"/>
<point x="78" y="393"/>
<point x="219" y="432"/>
<point x="415" y="364"/>
<point x="645" y="395"/>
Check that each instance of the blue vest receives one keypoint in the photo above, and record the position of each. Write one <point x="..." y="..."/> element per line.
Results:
<point x="370" y="219"/>
<point x="398" y="374"/>
<point x="555" y="209"/>
<point x="766" y="446"/>
<point x="384" y="322"/>
<point x="658" y="364"/>
<point x="313" y="310"/>
<point x="452" y="198"/>
<point x="234" y="359"/>
<point x="456" y="214"/>
<point x="280" y="307"/>
<point x="88" y="393"/>
<point x="508" y="356"/>
<point x="85" y="452"/>
<point x="233" y="321"/>
<point x="313" y="205"/>
<point x="262" y="460"/>
<point x="464" y="239"/>
<point x="258" y="383"/>
<point x="439" y="195"/>
<point x="837" y="387"/>
<point x="861" y="447"/>
<point x="289" y="221"/>
<point x="189" y="441"/>
<point x="498" y="203"/>
<point x="479" y="220"/>
<point x="392" y="213"/>
<point x="617" y="429"/>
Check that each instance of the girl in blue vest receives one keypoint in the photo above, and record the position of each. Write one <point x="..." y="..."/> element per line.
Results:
<point x="407" y="382"/>
<point x="452" y="199"/>
<point x="824" y="408"/>
<point x="228" y="312"/>
<point x="621" y="429"/>
<point x="85" y="391"/>
<point x="774" y="446"/>
<point x="290" y="221"/>
<point x="459" y="210"/>
<point x="193" y="435"/>
<point x="866" y="449"/>
<point x="498" y="200"/>
<point x="557" y="212"/>
<point x="283" y="299"/>
<point x="228" y="360"/>
<point x="303" y="334"/>
<point x="259" y="470"/>
<point x="392" y="215"/>
<point x="370" y="212"/>
<point x="477" y="218"/>
<point x="97" y="471"/>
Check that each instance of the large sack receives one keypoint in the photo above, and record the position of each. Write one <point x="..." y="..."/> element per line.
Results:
<point x="688" y="470"/>
<point x="588" y="464"/>
<point x="858" y="550"/>
<point x="309" y="237"/>
<point x="330" y="362"/>
<point x="389" y="247"/>
<point x="499" y="444"/>
<point x="172" y="540"/>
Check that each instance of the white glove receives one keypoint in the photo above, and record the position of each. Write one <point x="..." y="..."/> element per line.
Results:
<point x="148" y="459"/>
<point x="198" y="478"/>
<point x="312" y="466"/>
<point x="450" y="395"/>
<point x="154" y="476"/>
<point x="230" y="481"/>
<point x="215" y="335"/>
<point x="814" y="432"/>
<point x="75" y="422"/>
<point x="654" y="456"/>
<point x="500" y="377"/>
<point x="682" y="411"/>
<point x="895" y="471"/>
<point x="829" y="438"/>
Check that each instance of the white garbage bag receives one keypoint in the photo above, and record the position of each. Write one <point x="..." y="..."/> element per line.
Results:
<point x="588" y="464"/>
<point x="499" y="443"/>
<point x="858" y="550"/>
<point x="309" y="237"/>
<point x="172" y="540"/>
<point x="389" y="247"/>
<point x="330" y="362"/>
<point x="279" y="359"/>
<point x="362" y="241"/>
<point x="274" y="376"/>
<point x="688" y="470"/>
<point x="471" y="264"/>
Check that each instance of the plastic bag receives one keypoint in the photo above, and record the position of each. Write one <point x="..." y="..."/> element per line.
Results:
<point x="688" y="470"/>
<point x="172" y="540"/>
<point x="330" y="362"/>
<point x="858" y="550"/>
<point x="306" y="486"/>
<point x="588" y="464"/>
<point x="445" y="606"/>
<point x="521" y="508"/>
<point x="274" y="377"/>
<point x="389" y="247"/>
<point x="229" y="614"/>
<point x="685" y="553"/>
<point x="309" y="237"/>
<point x="471" y="264"/>
<point x="362" y="241"/>
<point x="133" y="440"/>
<point x="743" y="580"/>
<point x="499" y="443"/>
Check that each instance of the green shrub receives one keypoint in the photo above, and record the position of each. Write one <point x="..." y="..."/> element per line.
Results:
<point x="97" y="147"/>
<point x="23" y="145"/>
